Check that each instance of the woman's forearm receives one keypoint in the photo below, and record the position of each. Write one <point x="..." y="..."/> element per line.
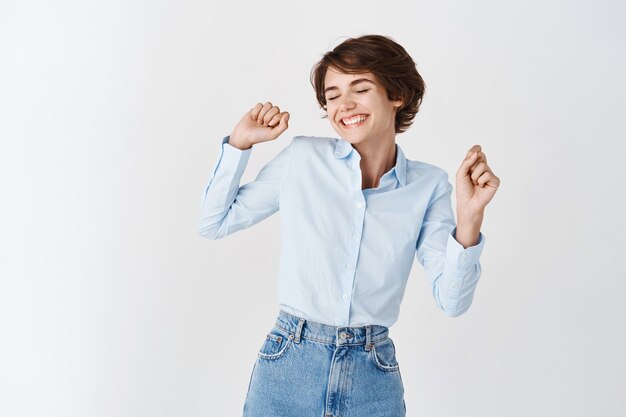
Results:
<point x="468" y="228"/>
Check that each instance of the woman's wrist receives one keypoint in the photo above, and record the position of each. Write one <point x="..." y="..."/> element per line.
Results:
<point x="239" y="143"/>
<point x="468" y="228"/>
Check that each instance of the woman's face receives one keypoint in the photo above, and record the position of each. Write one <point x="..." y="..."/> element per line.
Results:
<point x="358" y="107"/>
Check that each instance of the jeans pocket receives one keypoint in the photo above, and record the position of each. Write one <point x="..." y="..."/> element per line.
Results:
<point x="276" y="343"/>
<point x="384" y="354"/>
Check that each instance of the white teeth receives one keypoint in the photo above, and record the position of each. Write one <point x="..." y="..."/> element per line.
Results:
<point x="354" y="120"/>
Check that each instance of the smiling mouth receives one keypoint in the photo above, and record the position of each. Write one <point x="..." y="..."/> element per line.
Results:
<point x="354" y="121"/>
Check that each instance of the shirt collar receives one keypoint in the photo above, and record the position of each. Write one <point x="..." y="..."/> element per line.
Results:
<point x="343" y="149"/>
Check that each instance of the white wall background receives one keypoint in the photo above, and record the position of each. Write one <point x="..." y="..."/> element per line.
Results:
<point x="111" y="114"/>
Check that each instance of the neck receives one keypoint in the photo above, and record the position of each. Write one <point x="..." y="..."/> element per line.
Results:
<point x="376" y="160"/>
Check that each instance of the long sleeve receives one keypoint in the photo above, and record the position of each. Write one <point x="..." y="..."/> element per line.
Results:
<point x="225" y="206"/>
<point x="452" y="271"/>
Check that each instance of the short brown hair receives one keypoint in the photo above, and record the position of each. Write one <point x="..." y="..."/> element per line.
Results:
<point x="387" y="60"/>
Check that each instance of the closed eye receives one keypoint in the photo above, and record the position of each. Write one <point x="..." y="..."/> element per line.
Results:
<point x="360" y="91"/>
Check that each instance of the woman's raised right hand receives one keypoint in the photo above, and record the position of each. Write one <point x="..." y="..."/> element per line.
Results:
<point x="262" y="123"/>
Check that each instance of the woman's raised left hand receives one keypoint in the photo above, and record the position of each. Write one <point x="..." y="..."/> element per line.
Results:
<point x="476" y="184"/>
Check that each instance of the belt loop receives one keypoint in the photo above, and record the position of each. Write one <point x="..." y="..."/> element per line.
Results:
<point x="368" y="337"/>
<point x="299" y="330"/>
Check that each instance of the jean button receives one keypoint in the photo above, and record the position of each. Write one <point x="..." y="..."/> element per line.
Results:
<point x="344" y="335"/>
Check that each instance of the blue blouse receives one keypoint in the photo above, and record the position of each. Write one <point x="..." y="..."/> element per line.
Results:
<point x="346" y="253"/>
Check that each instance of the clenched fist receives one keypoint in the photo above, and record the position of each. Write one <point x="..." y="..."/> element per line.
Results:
<point x="476" y="183"/>
<point x="262" y="123"/>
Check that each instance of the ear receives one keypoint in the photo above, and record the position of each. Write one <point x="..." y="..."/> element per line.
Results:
<point x="397" y="104"/>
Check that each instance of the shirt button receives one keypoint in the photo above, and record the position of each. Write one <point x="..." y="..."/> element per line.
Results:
<point x="345" y="296"/>
<point x="359" y="205"/>
<point x="353" y="234"/>
<point x="454" y="285"/>
<point x="464" y="256"/>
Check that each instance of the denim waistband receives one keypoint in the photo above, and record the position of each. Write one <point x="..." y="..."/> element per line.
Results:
<point x="325" y="333"/>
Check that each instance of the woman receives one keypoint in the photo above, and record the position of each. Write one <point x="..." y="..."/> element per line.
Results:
<point x="354" y="211"/>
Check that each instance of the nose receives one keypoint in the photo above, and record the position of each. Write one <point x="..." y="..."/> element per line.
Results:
<point x="345" y="102"/>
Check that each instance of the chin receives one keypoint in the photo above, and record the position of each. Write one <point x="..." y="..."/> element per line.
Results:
<point x="348" y="136"/>
<point x="352" y="137"/>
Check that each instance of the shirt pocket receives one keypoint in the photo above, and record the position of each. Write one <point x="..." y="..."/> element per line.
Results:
<point x="391" y="234"/>
<point x="394" y="222"/>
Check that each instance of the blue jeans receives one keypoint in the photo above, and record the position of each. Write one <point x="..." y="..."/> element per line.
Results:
<point x="311" y="369"/>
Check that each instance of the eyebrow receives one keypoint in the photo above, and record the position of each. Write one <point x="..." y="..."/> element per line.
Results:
<point x="360" y="80"/>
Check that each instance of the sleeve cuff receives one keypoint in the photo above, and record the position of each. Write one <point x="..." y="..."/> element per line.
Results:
<point x="235" y="151"/>
<point x="461" y="257"/>
<point x="234" y="157"/>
